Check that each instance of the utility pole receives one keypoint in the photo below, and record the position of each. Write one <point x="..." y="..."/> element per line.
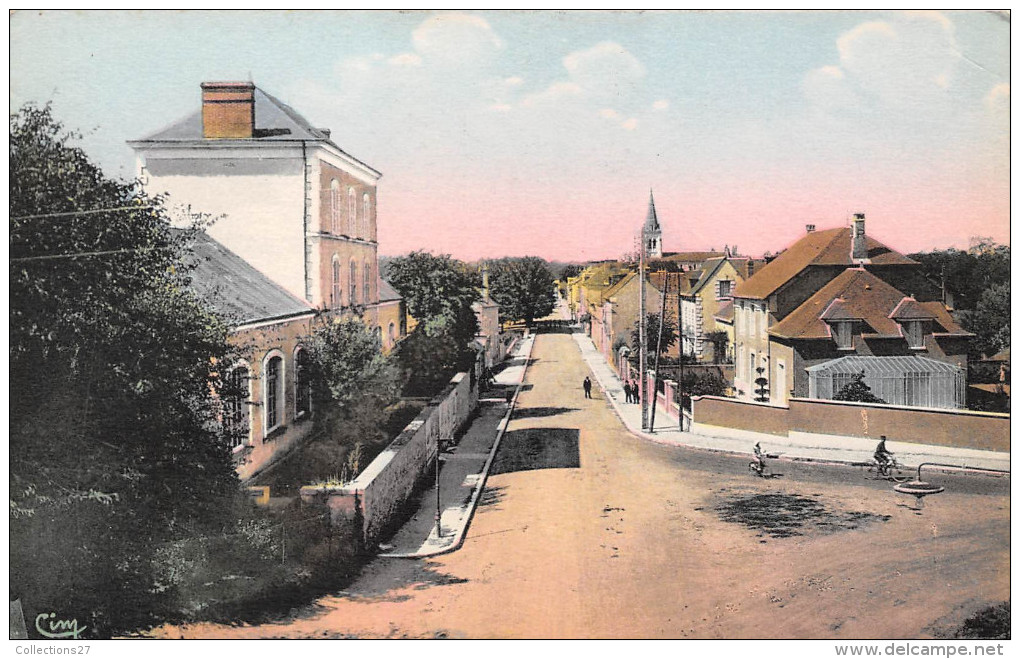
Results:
<point x="642" y="339"/>
<point x="680" y="330"/>
<point x="658" y="350"/>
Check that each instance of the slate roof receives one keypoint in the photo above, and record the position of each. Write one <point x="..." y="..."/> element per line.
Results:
<point x="652" y="220"/>
<point x="856" y="294"/>
<point x="275" y="121"/>
<point x="387" y="293"/>
<point x="236" y="290"/>
<point x="828" y="247"/>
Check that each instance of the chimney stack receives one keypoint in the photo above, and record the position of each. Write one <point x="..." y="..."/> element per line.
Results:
<point x="228" y="110"/>
<point x="810" y="228"/>
<point x="858" y="245"/>
<point x="485" y="279"/>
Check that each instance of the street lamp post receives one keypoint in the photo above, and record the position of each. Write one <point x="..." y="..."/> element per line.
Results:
<point x="439" y="525"/>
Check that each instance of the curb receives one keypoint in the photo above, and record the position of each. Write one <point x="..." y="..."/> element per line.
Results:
<point x="480" y="485"/>
<point x="641" y="434"/>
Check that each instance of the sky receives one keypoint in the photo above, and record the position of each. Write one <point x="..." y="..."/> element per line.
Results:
<point x="541" y="133"/>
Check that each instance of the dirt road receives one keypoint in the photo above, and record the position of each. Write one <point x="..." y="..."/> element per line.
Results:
<point x="587" y="532"/>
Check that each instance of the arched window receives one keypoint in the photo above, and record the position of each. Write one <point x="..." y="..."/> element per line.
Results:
<point x="237" y="400"/>
<point x="334" y="206"/>
<point x="302" y="382"/>
<point x="273" y="390"/>
<point x="335" y="300"/>
<point x="366" y="285"/>
<point x="354" y="283"/>
<point x="393" y="334"/>
<point x="378" y="335"/>
<point x="352" y="212"/>
<point x="366" y="216"/>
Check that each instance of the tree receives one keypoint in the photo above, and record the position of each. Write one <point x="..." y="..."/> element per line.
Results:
<point x="669" y="335"/>
<point x="990" y="321"/>
<point x="523" y="288"/>
<point x="115" y="448"/>
<point x="698" y="382"/>
<point x="761" y="386"/>
<point x="352" y="385"/>
<point x="856" y="390"/>
<point x="439" y="292"/>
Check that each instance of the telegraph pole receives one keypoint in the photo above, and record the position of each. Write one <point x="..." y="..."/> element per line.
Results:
<point x="642" y="339"/>
<point x="658" y="350"/>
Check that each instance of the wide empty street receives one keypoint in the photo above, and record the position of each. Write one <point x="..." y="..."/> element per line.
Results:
<point x="585" y="531"/>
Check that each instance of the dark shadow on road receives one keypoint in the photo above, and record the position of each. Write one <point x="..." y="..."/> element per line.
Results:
<point x="538" y="448"/>
<point x="786" y="515"/>
<point x="400" y="573"/>
<point x="491" y="496"/>
<point x="535" y="412"/>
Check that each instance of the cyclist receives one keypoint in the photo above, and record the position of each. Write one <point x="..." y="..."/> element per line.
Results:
<point x="883" y="456"/>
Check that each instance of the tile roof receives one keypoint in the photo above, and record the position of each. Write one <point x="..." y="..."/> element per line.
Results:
<point x="828" y="247"/>
<point x="911" y="309"/>
<point x="237" y="291"/>
<point x="275" y="121"/>
<point x="856" y="294"/>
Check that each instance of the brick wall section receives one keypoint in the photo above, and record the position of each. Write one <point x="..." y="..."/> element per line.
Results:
<point x="384" y="487"/>
<point x="740" y="414"/>
<point x="954" y="428"/>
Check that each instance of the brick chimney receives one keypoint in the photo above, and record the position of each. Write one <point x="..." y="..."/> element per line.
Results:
<point x="228" y="110"/>
<point x="858" y="244"/>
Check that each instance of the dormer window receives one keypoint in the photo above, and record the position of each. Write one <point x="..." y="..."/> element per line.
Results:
<point x="842" y="334"/>
<point x="913" y="332"/>
<point x="725" y="288"/>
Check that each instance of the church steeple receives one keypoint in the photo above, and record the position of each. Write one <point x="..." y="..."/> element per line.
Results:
<point x="651" y="233"/>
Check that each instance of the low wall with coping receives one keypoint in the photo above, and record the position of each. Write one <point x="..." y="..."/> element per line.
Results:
<point x="382" y="490"/>
<point x="803" y="418"/>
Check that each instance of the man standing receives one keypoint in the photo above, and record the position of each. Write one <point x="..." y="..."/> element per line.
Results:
<point x="587" y="387"/>
<point x="626" y="391"/>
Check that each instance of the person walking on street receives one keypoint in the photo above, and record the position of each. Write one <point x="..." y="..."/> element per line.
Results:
<point x="626" y="391"/>
<point x="587" y="387"/>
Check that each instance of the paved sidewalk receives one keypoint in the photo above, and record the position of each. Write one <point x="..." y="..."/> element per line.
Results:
<point x="464" y="470"/>
<point x="849" y="450"/>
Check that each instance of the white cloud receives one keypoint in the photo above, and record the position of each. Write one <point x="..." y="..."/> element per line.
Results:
<point x="661" y="104"/>
<point x="557" y="91"/>
<point x="405" y="59"/>
<point x="514" y="81"/>
<point x="609" y="113"/>
<point x="456" y="37"/>
<point x="630" y="124"/>
<point x="903" y="61"/>
<point x="998" y="98"/>
<point x="501" y="107"/>
<point x="607" y="69"/>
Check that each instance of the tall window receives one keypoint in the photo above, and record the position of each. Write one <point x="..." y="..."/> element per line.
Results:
<point x="352" y="212"/>
<point x="366" y="216"/>
<point x="302" y="383"/>
<point x="842" y="334"/>
<point x="354" y="283"/>
<point x="393" y="334"/>
<point x="337" y="291"/>
<point x="334" y="206"/>
<point x="913" y="331"/>
<point x="725" y="288"/>
<point x="274" y="393"/>
<point x="366" y="285"/>
<point x="235" y="414"/>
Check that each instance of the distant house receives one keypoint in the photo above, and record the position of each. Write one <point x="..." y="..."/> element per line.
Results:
<point x="832" y="305"/>
<point x="270" y="329"/>
<point x="713" y="288"/>
<point x="392" y="315"/>
<point x="487" y="312"/>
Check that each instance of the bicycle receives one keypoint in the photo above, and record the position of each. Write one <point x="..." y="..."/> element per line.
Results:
<point x="891" y="470"/>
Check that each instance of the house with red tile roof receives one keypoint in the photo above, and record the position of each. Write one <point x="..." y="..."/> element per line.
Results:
<point x="836" y="303"/>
